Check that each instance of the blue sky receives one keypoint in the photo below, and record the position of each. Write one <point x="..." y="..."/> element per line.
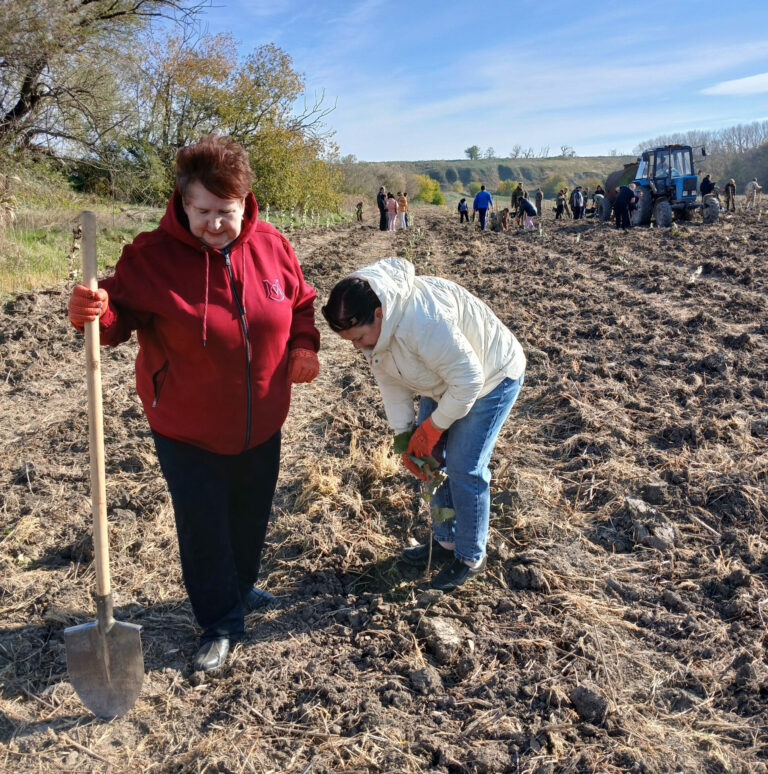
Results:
<point x="424" y="80"/>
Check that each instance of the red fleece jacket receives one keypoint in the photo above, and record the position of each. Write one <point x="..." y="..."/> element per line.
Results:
<point x="212" y="368"/>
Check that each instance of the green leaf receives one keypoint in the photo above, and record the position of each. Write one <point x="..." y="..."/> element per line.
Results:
<point x="401" y="441"/>
<point x="439" y="515"/>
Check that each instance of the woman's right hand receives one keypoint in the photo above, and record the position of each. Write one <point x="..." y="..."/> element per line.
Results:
<point x="86" y="305"/>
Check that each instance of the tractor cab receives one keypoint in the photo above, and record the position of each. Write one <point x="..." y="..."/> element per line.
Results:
<point x="668" y="171"/>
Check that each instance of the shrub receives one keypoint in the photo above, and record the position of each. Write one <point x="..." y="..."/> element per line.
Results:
<point x="474" y="188"/>
<point x="554" y="184"/>
<point x="506" y="187"/>
<point x="429" y="190"/>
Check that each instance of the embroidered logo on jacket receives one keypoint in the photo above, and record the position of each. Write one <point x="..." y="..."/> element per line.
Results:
<point x="274" y="291"/>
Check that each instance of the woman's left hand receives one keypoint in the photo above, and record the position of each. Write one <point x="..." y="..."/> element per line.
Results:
<point x="303" y="366"/>
<point x="424" y="439"/>
<point x="414" y="468"/>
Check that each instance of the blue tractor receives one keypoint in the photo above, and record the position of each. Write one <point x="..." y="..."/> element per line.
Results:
<point x="669" y="185"/>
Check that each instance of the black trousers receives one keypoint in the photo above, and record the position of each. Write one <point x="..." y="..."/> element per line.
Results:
<point x="463" y="216"/>
<point x="221" y="504"/>
<point x="382" y="220"/>
<point x="622" y="216"/>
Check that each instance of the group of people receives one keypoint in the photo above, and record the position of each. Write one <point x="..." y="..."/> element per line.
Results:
<point x="393" y="210"/>
<point x="522" y="210"/>
<point x="576" y="205"/>
<point x="225" y="325"/>
<point x="753" y="192"/>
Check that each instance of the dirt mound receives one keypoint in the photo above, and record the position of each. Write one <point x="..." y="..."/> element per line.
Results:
<point x="620" y="627"/>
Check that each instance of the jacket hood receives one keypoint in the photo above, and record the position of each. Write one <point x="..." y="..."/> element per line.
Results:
<point x="176" y="223"/>
<point x="391" y="279"/>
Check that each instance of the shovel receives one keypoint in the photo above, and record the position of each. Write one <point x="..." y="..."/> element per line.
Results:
<point x="104" y="657"/>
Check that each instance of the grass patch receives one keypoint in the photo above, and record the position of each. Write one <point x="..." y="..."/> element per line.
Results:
<point x="41" y="247"/>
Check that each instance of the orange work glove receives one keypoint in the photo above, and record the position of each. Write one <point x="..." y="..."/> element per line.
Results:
<point x="424" y="439"/>
<point x="303" y="365"/>
<point x="422" y="473"/>
<point x="86" y="305"/>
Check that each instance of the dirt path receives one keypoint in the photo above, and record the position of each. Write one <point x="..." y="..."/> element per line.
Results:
<point x="620" y="627"/>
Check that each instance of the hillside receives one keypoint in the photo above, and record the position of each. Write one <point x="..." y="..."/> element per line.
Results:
<point x="532" y="172"/>
<point x="366" y="176"/>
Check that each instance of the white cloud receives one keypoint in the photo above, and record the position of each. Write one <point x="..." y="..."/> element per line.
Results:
<point x="754" y="84"/>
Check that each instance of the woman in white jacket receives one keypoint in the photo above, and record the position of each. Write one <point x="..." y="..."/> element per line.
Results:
<point x="430" y="337"/>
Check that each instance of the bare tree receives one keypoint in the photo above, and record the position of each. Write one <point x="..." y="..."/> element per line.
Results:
<point x="736" y="139"/>
<point x="52" y="52"/>
<point x="490" y="153"/>
<point x="544" y="152"/>
<point x="516" y="151"/>
<point x="528" y="153"/>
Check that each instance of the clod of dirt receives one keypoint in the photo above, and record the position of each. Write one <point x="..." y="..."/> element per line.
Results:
<point x="489" y="759"/>
<point x="715" y="361"/>
<point x="650" y="527"/>
<point x="590" y="705"/>
<point x="445" y="639"/>
<point x="426" y="681"/>
<point x="429" y="598"/>
<point x="655" y="493"/>
<point x="521" y="577"/>
<point x="675" y="601"/>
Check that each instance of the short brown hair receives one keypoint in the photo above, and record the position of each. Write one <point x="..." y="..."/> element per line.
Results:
<point x="219" y="164"/>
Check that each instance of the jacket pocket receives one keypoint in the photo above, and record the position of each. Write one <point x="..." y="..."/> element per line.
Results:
<point x="158" y="380"/>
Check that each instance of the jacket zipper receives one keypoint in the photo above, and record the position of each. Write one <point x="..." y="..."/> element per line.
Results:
<point x="244" y="326"/>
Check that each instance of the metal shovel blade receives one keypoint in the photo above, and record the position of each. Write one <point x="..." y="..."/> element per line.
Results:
<point x="106" y="668"/>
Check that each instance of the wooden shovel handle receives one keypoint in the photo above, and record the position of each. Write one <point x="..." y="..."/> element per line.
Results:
<point x="95" y="415"/>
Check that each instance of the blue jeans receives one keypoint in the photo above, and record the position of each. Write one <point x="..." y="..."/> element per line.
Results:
<point x="468" y="444"/>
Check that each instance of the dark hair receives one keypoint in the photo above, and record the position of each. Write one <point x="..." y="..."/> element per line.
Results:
<point x="352" y="302"/>
<point x="219" y="164"/>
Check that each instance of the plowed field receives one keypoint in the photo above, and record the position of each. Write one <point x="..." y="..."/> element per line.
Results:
<point x="621" y="624"/>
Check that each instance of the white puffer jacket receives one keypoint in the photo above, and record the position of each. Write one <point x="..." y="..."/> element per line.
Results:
<point x="437" y="340"/>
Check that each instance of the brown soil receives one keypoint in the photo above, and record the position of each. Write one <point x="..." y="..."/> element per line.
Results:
<point x="620" y="626"/>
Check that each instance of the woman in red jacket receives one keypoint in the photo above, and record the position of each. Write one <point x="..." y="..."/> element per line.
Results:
<point x="225" y="324"/>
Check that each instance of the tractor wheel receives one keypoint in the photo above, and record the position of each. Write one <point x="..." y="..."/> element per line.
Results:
<point x="710" y="210"/>
<point x="604" y="210"/>
<point x="641" y="215"/>
<point x="662" y="214"/>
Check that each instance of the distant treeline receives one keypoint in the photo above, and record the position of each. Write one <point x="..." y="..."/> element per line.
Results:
<point x="738" y="139"/>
